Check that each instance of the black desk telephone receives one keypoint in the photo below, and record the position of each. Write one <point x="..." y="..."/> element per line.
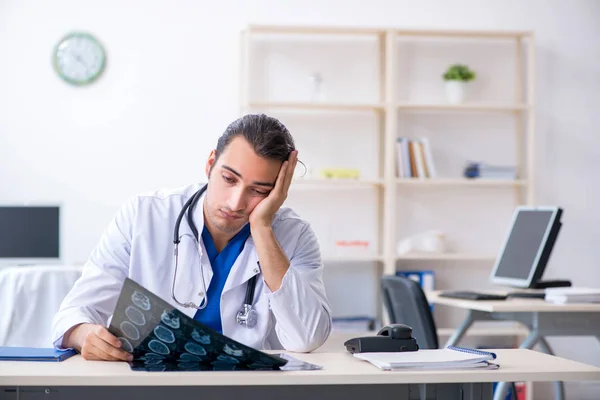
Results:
<point x="390" y="338"/>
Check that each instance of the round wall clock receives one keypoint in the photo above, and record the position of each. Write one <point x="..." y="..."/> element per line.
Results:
<point x="79" y="58"/>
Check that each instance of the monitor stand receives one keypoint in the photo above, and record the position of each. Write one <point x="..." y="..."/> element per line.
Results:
<point x="550" y="284"/>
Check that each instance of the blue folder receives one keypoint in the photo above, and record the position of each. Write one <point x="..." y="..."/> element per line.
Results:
<point x="34" y="354"/>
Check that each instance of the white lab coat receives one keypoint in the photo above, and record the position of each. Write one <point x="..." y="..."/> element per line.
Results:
<point x="139" y="244"/>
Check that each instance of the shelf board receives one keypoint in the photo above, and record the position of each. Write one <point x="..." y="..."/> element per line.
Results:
<point x="325" y="184"/>
<point x="447" y="256"/>
<point x="299" y="105"/>
<point x="313" y="30"/>
<point x="462" y="107"/>
<point x="478" y="332"/>
<point x="461" y="182"/>
<point x="342" y="30"/>
<point x="318" y="106"/>
<point x="353" y="258"/>
<point x="464" y="33"/>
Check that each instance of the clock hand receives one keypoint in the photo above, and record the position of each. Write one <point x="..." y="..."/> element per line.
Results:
<point x="79" y="60"/>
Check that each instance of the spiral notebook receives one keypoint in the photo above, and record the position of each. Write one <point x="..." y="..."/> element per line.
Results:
<point x="452" y="357"/>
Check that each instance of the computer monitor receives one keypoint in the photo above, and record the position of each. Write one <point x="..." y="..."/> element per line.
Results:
<point x="29" y="235"/>
<point x="527" y="247"/>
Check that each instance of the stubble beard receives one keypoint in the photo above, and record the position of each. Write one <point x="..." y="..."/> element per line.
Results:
<point x="232" y="227"/>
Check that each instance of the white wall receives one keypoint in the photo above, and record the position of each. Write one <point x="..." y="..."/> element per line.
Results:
<point x="171" y="86"/>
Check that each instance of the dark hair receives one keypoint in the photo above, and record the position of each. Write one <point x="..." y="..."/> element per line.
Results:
<point x="267" y="135"/>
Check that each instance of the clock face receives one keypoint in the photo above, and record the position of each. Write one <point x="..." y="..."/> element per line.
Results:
<point x="79" y="59"/>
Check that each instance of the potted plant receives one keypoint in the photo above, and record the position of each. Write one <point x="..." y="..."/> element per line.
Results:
<point x="457" y="77"/>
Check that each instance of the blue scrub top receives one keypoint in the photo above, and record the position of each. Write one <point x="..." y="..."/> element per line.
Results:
<point x="221" y="264"/>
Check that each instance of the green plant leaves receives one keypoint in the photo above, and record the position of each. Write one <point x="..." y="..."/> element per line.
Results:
<point x="459" y="72"/>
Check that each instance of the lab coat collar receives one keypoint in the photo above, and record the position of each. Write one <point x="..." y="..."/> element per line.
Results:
<point x="189" y="279"/>
<point x="198" y="216"/>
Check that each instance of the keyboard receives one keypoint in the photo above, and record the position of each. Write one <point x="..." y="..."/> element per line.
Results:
<point x="526" y="295"/>
<point x="469" y="295"/>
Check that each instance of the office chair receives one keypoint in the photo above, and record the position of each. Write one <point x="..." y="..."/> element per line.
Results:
<point x="406" y="303"/>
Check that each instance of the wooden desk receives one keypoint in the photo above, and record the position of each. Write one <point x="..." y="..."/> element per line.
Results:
<point x="513" y="305"/>
<point x="540" y="317"/>
<point x="343" y="376"/>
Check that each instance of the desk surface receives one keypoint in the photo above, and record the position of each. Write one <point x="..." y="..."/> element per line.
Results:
<point x="512" y="305"/>
<point x="339" y="369"/>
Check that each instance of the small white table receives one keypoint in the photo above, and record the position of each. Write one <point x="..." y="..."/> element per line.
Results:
<point x="343" y="376"/>
<point x="540" y="317"/>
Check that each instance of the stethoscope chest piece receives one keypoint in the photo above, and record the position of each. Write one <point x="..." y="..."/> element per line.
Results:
<point x="247" y="316"/>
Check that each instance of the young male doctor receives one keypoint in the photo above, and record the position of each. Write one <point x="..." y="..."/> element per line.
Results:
<point x="245" y="266"/>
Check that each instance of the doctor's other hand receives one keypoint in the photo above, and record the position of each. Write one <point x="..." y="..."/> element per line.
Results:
<point x="263" y="213"/>
<point x="95" y="342"/>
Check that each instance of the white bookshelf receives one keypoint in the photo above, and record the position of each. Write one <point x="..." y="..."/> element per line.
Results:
<point x="316" y="106"/>
<point x="460" y="182"/>
<point x="411" y="257"/>
<point x="391" y="110"/>
<point x="474" y="107"/>
<point x="447" y="257"/>
<point x="351" y="258"/>
<point x="333" y="184"/>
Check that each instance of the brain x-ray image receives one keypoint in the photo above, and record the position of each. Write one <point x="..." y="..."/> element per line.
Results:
<point x="161" y="338"/>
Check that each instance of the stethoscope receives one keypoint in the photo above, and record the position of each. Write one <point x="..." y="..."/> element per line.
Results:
<point x="247" y="316"/>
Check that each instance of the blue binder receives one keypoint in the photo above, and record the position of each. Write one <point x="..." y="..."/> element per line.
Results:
<point x="34" y="354"/>
<point x="425" y="278"/>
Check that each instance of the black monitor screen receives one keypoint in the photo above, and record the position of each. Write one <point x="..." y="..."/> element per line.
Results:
<point x="523" y="244"/>
<point x="29" y="232"/>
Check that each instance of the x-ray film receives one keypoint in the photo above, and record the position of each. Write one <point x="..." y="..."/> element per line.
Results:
<point x="162" y="338"/>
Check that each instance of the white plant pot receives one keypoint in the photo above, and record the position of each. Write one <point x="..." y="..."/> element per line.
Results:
<point x="456" y="91"/>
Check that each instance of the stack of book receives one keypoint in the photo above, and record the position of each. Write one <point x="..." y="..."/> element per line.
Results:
<point x="414" y="159"/>
<point x="572" y="295"/>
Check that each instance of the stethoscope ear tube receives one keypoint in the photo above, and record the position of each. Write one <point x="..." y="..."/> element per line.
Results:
<point x="192" y="200"/>
<point x="250" y="290"/>
<point x="247" y="316"/>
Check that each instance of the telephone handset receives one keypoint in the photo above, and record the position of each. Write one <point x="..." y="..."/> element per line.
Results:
<point x="390" y="338"/>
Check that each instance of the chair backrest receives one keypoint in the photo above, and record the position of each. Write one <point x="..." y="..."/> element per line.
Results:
<point x="29" y="298"/>
<point x="406" y="304"/>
